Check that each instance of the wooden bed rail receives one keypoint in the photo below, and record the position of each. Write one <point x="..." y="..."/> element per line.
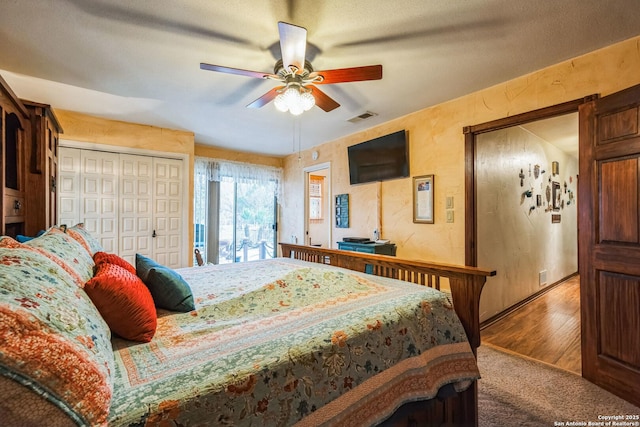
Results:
<point x="466" y="283"/>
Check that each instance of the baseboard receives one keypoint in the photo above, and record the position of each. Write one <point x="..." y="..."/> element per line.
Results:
<point x="490" y="321"/>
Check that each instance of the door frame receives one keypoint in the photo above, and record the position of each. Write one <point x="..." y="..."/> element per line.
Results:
<point x="328" y="206"/>
<point x="187" y="232"/>
<point x="470" y="135"/>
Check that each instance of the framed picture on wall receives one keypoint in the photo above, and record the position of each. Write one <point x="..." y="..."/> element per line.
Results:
<point x="342" y="211"/>
<point x="423" y="199"/>
<point x="557" y="195"/>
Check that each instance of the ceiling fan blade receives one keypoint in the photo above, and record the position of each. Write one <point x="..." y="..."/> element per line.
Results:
<point x="237" y="71"/>
<point x="323" y="100"/>
<point x="293" y="45"/>
<point x="344" y="75"/>
<point x="266" y="98"/>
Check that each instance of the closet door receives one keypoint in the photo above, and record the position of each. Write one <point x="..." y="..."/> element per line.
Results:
<point x="167" y="214"/>
<point x="69" y="186"/>
<point x="99" y="173"/>
<point x="131" y="203"/>
<point x="136" y="202"/>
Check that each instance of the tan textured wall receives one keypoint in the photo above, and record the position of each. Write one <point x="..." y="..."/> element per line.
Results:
<point x="82" y="127"/>
<point x="237" y="156"/>
<point x="437" y="147"/>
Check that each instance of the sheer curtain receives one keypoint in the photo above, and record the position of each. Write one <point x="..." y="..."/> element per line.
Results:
<point x="221" y="170"/>
<point x="208" y="170"/>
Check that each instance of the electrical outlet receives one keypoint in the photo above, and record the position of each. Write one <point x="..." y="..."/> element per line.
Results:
<point x="542" y="278"/>
<point x="449" y="216"/>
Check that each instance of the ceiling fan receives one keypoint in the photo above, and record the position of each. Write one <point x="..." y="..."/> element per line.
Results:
<point x="298" y="91"/>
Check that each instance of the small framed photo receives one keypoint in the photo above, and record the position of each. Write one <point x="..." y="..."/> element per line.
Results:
<point x="557" y="196"/>
<point x="423" y="199"/>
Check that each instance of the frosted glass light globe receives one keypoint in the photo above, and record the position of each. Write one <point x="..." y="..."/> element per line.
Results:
<point x="308" y="101"/>
<point x="281" y="103"/>
<point x="296" y="109"/>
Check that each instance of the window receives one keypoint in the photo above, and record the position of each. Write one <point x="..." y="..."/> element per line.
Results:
<point x="316" y="188"/>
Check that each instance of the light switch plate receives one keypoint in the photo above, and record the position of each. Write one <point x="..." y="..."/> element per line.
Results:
<point x="449" y="216"/>
<point x="450" y="202"/>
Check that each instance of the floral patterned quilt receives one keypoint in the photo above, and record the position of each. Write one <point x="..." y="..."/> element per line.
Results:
<point x="284" y="342"/>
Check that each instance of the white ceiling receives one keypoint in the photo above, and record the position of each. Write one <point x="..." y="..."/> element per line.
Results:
<point x="139" y="60"/>
<point x="561" y="131"/>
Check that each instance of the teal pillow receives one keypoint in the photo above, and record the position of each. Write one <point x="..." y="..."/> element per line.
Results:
<point x="23" y="239"/>
<point x="169" y="290"/>
<point x="143" y="265"/>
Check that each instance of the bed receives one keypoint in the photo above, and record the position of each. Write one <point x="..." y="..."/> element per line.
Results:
<point x="307" y="339"/>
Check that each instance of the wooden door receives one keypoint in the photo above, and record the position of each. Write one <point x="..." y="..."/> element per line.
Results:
<point x="609" y="244"/>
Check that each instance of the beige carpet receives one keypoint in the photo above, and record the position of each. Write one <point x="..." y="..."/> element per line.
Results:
<point x="518" y="391"/>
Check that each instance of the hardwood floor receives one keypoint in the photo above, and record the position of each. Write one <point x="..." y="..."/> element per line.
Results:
<point x="546" y="329"/>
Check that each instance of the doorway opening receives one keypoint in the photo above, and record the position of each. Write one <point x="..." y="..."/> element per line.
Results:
<point x="522" y="208"/>
<point x="317" y="206"/>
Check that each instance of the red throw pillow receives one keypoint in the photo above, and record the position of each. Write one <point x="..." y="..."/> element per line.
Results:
<point x="102" y="257"/>
<point x="124" y="302"/>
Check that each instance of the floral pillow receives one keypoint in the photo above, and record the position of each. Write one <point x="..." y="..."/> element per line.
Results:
<point x="68" y="249"/>
<point x="78" y="232"/>
<point x="8" y="242"/>
<point x="52" y="338"/>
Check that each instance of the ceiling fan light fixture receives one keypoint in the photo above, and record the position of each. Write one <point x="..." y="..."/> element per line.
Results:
<point x="294" y="72"/>
<point x="295" y="99"/>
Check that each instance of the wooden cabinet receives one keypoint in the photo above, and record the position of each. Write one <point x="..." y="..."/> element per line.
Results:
<point x="41" y="158"/>
<point x="28" y="164"/>
<point x="370" y="248"/>
<point x="14" y="131"/>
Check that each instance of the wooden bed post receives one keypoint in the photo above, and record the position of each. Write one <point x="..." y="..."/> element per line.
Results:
<point x="469" y="289"/>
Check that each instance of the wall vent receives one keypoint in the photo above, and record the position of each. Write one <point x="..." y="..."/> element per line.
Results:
<point x="364" y="116"/>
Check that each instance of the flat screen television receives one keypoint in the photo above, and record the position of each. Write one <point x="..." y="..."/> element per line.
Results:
<point x="379" y="159"/>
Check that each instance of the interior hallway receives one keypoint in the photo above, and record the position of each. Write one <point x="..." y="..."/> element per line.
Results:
<point x="545" y="329"/>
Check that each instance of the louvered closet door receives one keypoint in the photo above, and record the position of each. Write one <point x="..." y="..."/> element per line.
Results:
<point x="136" y="203"/>
<point x="68" y="186"/>
<point x="167" y="214"/>
<point x="99" y="196"/>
